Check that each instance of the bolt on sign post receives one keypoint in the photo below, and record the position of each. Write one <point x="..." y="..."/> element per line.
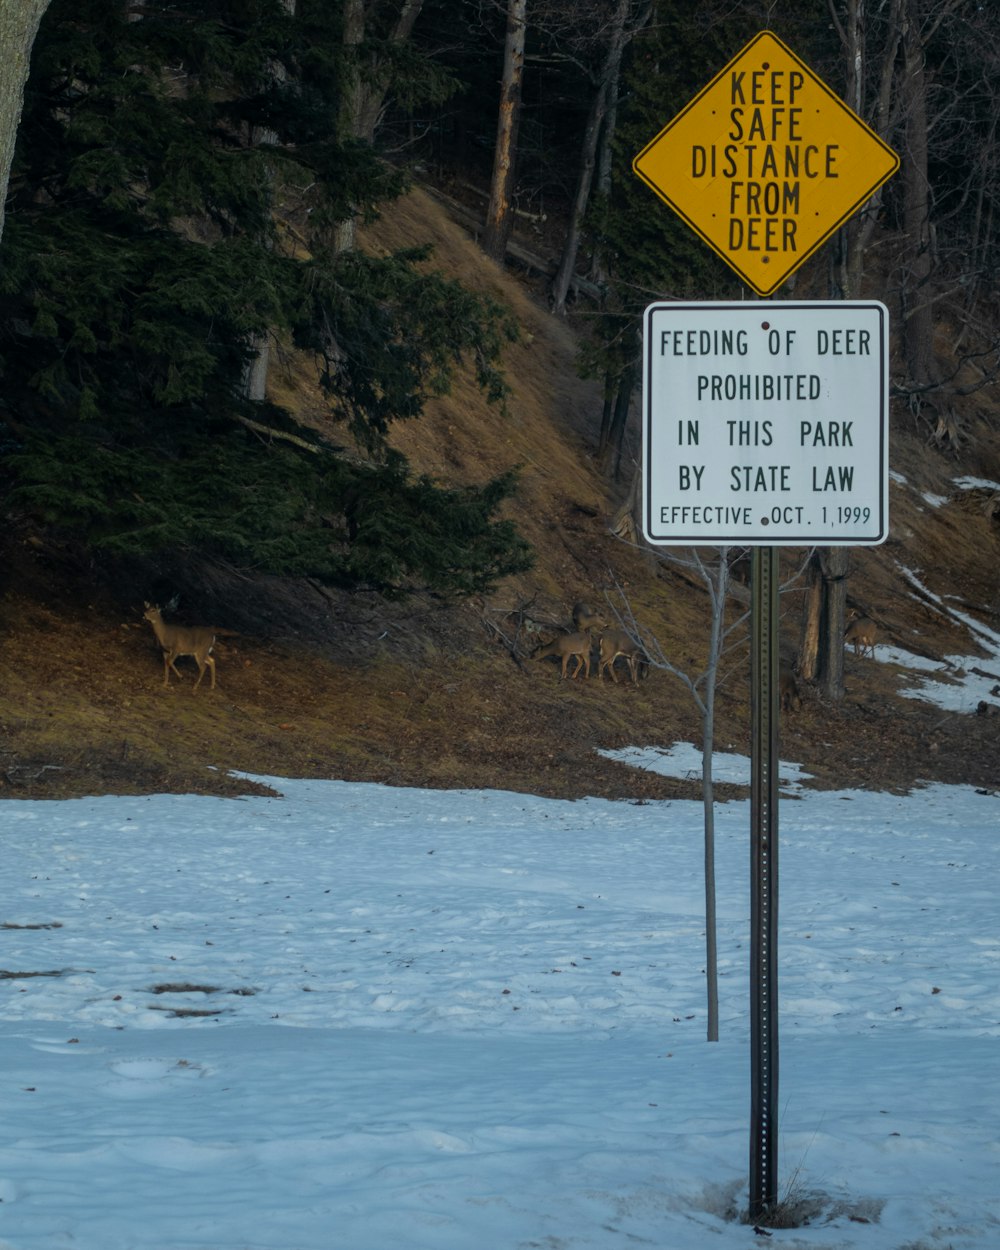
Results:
<point x="765" y="424"/>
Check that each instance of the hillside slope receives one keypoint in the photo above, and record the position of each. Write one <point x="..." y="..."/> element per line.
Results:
<point x="424" y="693"/>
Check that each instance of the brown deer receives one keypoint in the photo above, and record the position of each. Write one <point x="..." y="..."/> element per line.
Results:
<point x="178" y="640"/>
<point x="861" y="634"/>
<point x="585" y="618"/>
<point x="568" y="647"/>
<point x="615" y="643"/>
<point x="788" y="690"/>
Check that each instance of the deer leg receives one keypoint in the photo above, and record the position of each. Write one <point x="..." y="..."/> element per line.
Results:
<point x="207" y="663"/>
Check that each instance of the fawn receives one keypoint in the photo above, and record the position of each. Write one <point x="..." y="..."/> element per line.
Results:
<point x="615" y="643"/>
<point x="178" y="640"/>
<point x="585" y="618"/>
<point x="567" y="647"/>
<point x="861" y="634"/>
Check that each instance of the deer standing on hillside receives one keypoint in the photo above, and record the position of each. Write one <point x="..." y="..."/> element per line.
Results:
<point x="568" y="647"/>
<point x="861" y="634"/>
<point x="615" y="643"/>
<point x="178" y="640"/>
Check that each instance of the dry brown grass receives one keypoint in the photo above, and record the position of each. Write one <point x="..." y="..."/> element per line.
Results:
<point x="428" y="694"/>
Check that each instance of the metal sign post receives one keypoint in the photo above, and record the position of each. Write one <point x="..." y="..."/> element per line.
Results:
<point x="764" y="882"/>
<point x="765" y="424"/>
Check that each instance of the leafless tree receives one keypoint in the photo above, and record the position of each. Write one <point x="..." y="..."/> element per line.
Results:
<point x="821" y="644"/>
<point x="918" y="261"/>
<point x="367" y="79"/>
<point x="711" y="568"/>
<point x="627" y="18"/>
<point x="577" y="31"/>
<point x="255" y="375"/>
<point x="869" y="73"/>
<point x="712" y="571"/>
<point x="921" y="106"/>
<point x="19" y="21"/>
<point x="499" y="214"/>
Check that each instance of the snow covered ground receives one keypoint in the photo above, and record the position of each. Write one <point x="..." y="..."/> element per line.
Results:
<point x="363" y="1018"/>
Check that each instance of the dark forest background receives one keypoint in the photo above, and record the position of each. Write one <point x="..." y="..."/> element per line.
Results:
<point x="183" y="206"/>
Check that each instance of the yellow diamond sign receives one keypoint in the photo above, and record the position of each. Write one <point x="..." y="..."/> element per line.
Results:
<point x="766" y="163"/>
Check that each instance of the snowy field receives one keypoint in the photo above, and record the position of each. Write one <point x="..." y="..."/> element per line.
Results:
<point x="363" y="1018"/>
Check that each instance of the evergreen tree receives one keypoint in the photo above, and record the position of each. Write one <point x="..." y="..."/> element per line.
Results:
<point x="152" y="239"/>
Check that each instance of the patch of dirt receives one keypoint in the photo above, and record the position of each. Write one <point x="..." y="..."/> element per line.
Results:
<point x="313" y="683"/>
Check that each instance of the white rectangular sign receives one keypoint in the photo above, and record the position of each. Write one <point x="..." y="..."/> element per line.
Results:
<point x="766" y="423"/>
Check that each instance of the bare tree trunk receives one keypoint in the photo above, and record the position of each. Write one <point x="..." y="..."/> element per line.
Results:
<point x="571" y="245"/>
<point x="812" y="617"/>
<point x="597" y="142"/>
<point x="351" y="102"/>
<point x="821" y="646"/>
<point x="365" y="86"/>
<point x="835" y="564"/>
<point x="597" y="273"/>
<point x="851" y="27"/>
<point x="982" y="220"/>
<point x="711" y="939"/>
<point x="715" y="578"/>
<point x="619" y="420"/>
<point x="499" y="214"/>
<point x="607" y="411"/>
<point x="588" y="159"/>
<point x="718" y="579"/>
<point x="918" y="304"/>
<point x="852" y="37"/>
<point x="19" y="20"/>
<point x="255" y="375"/>
<point x="626" y="523"/>
<point x="354" y="33"/>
